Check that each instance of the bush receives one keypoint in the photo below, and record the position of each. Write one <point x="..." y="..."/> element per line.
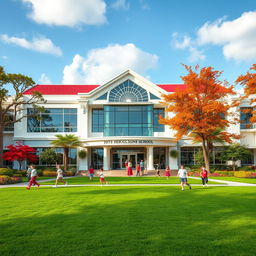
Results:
<point x="4" y="180"/>
<point x="48" y="173"/>
<point x="245" y="168"/>
<point x="7" y="171"/>
<point x="22" y="172"/>
<point x="242" y="174"/>
<point x="225" y="173"/>
<point x="70" y="173"/>
<point x="16" y="175"/>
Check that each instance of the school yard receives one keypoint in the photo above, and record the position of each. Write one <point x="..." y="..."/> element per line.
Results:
<point x="128" y="221"/>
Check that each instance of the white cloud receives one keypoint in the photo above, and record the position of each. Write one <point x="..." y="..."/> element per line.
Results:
<point x="4" y="57"/>
<point x="67" y="12"/>
<point x="238" y="36"/>
<point x="39" y="44"/>
<point x="44" y="79"/>
<point x="187" y="43"/>
<point x="103" y="64"/>
<point x="120" y="4"/>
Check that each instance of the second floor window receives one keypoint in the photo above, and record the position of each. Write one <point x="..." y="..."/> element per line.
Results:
<point x="52" y="120"/>
<point x="245" y="116"/>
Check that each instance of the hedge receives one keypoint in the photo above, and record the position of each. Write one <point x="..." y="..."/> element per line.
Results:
<point x="4" y="180"/>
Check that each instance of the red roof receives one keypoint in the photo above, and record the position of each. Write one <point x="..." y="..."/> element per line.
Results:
<point x="63" y="89"/>
<point x="172" y="87"/>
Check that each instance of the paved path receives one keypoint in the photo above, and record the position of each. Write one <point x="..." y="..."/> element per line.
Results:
<point x="223" y="183"/>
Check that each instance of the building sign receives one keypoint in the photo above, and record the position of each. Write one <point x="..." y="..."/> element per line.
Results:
<point x="128" y="142"/>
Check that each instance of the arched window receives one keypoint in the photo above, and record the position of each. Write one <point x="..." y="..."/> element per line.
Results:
<point x="128" y="91"/>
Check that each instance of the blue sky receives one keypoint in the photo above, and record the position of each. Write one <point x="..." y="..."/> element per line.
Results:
<point x="90" y="41"/>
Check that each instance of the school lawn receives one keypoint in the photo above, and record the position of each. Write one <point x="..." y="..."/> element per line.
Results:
<point x="128" y="221"/>
<point x="243" y="180"/>
<point x="128" y="180"/>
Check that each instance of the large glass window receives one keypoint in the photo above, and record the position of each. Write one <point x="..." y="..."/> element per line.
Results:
<point x="97" y="120"/>
<point x="97" y="158"/>
<point x="9" y="117"/>
<point x="52" y="120"/>
<point x="72" y="156"/>
<point x="156" y="126"/>
<point x="128" y="120"/>
<point x="160" y="157"/>
<point x="128" y="91"/>
<point x="245" y="116"/>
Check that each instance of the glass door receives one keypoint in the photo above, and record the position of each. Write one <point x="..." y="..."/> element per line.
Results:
<point x="130" y="157"/>
<point x="124" y="157"/>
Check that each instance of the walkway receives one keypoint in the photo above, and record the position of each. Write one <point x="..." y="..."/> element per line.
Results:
<point x="224" y="183"/>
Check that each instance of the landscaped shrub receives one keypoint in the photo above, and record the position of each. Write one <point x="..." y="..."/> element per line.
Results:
<point x="7" y="171"/>
<point x="16" y="175"/>
<point x="242" y="174"/>
<point x="70" y="173"/>
<point x="49" y="173"/>
<point x="225" y="173"/>
<point x="253" y="175"/>
<point x="22" y="172"/>
<point x="4" y="180"/>
<point x="245" y="168"/>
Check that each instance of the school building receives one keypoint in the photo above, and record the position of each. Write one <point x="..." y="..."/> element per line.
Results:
<point x="115" y="121"/>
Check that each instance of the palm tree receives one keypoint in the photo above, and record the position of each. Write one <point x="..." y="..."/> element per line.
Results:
<point x="66" y="142"/>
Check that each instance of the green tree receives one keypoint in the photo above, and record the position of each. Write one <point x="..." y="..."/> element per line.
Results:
<point x="234" y="153"/>
<point x="13" y="107"/>
<point x="66" y="142"/>
<point x="49" y="156"/>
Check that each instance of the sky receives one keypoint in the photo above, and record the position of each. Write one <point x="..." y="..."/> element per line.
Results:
<point x="92" y="41"/>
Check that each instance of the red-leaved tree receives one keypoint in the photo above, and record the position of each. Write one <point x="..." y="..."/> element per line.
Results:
<point x="20" y="153"/>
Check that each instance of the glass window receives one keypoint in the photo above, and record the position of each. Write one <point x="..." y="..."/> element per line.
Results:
<point x="160" y="157"/>
<point x="52" y="120"/>
<point x="128" y="120"/>
<point x="245" y="116"/>
<point x="128" y="91"/>
<point x="97" y="120"/>
<point x="157" y="113"/>
<point x="97" y="158"/>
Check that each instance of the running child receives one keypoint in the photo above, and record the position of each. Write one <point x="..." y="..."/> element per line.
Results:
<point x="60" y="177"/>
<point x="204" y="176"/>
<point x="167" y="172"/>
<point x="102" y="177"/>
<point x="33" y="177"/>
<point x="91" y="173"/>
<point x="138" y="169"/>
<point x="182" y="174"/>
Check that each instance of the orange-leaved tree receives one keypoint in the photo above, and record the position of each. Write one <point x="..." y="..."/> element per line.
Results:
<point x="199" y="110"/>
<point x="249" y="82"/>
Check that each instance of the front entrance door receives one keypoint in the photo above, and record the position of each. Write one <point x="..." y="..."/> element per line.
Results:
<point x="130" y="157"/>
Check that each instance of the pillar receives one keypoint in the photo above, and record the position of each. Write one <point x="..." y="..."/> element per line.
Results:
<point x="106" y="158"/>
<point x="173" y="162"/>
<point x="150" y="158"/>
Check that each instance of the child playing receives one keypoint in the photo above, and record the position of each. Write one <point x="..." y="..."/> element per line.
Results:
<point x="204" y="176"/>
<point x="167" y="172"/>
<point x="91" y="173"/>
<point x="138" y="169"/>
<point x="60" y="177"/>
<point x="33" y="177"/>
<point x="102" y="177"/>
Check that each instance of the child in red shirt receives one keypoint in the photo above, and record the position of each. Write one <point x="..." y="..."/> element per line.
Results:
<point x="138" y="170"/>
<point x="167" y="172"/>
<point x="204" y="176"/>
<point x="91" y="173"/>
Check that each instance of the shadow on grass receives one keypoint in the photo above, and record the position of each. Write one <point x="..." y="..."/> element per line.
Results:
<point x="130" y="221"/>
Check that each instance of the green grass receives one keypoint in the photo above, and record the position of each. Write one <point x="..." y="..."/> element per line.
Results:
<point x="128" y="180"/>
<point x="128" y="221"/>
<point x="244" y="180"/>
<point x="24" y="179"/>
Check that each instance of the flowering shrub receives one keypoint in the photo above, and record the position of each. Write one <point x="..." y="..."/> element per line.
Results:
<point x="6" y="171"/>
<point x="215" y="174"/>
<point x="253" y="175"/>
<point x="225" y="173"/>
<point x="4" y="179"/>
<point x="242" y="174"/>
<point x="49" y="173"/>
<point x="69" y="173"/>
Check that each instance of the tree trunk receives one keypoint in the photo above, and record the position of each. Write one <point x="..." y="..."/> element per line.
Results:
<point x="206" y="156"/>
<point x="1" y="147"/>
<point x="66" y="151"/>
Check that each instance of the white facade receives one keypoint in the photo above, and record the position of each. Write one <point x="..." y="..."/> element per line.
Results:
<point x="115" y="146"/>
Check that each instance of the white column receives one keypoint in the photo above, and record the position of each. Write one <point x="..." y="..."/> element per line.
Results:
<point x="83" y="163"/>
<point x="173" y="162"/>
<point x="106" y="159"/>
<point x="150" y="158"/>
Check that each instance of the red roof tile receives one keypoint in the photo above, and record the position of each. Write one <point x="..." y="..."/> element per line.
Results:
<point x="63" y="89"/>
<point x="172" y="87"/>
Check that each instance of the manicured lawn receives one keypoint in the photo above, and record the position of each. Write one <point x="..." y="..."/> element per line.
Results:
<point x="24" y="179"/>
<point x="244" y="180"/>
<point x="128" y="221"/>
<point x="128" y="180"/>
